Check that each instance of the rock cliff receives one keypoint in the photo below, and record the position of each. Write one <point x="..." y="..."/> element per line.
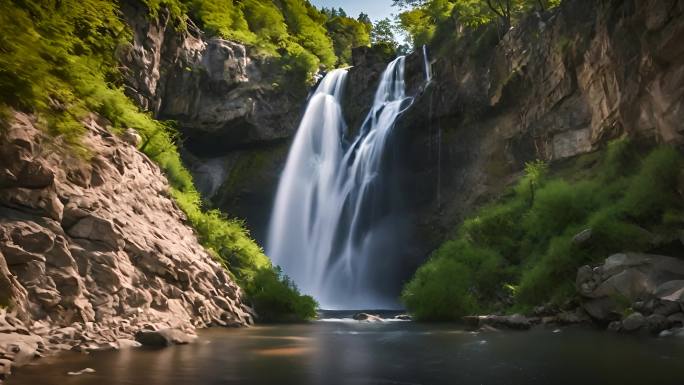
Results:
<point x="236" y="109"/>
<point x="94" y="250"/>
<point x="560" y="84"/>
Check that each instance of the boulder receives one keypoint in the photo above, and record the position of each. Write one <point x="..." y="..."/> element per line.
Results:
<point x="676" y="320"/>
<point x="367" y="317"/>
<point x="582" y="237"/>
<point x="666" y="308"/>
<point x="652" y="283"/>
<point x="615" y="326"/>
<point x="657" y="323"/>
<point x="633" y="322"/>
<point x="163" y="337"/>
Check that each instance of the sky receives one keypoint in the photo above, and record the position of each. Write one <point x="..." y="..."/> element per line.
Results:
<point x="376" y="9"/>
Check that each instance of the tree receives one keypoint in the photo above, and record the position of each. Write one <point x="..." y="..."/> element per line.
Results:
<point x="421" y="18"/>
<point x="383" y="33"/>
<point x="503" y="9"/>
<point x="364" y="18"/>
<point x="347" y="33"/>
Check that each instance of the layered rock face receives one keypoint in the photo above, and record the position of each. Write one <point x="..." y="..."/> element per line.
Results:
<point x="94" y="250"/>
<point x="560" y="84"/>
<point x="221" y="95"/>
<point x="236" y="115"/>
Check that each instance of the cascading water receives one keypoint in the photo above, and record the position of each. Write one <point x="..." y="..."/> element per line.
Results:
<point x="426" y="65"/>
<point x="330" y="212"/>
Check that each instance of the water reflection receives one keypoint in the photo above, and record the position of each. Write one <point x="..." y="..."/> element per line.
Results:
<point x="392" y="353"/>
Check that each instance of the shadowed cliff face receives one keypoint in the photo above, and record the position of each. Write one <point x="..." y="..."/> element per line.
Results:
<point x="561" y="84"/>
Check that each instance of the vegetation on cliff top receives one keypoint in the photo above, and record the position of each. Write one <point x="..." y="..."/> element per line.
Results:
<point x="57" y="62"/>
<point x="522" y="250"/>
<point x="429" y="20"/>
<point x="301" y="37"/>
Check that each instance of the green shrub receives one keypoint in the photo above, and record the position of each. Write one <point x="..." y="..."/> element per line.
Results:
<point x="654" y="188"/>
<point x="276" y="299"/>
<point x="497" y="226"/>
<point x="454" y="281"/>
<point x="624" y="199"/>
<point x="439" y="290"/>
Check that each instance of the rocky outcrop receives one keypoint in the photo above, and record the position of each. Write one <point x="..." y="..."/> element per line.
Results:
<point x="649" y="288"/>
<point x="94" y="250"/>
<point x="231" y="104"/>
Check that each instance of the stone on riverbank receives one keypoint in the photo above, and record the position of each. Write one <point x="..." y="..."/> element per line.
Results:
<point x="163" y="337"/>
<point x="649" y="284"/>
<point x="367" y="317"/>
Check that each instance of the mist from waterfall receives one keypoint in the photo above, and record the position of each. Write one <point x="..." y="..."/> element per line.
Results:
<point x="332" y="223"/>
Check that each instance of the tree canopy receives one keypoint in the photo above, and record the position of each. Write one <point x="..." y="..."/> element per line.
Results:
<point x="421" y="18"/>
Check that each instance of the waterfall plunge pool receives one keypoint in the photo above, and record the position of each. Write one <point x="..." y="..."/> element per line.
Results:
<point x="344" y="352"/>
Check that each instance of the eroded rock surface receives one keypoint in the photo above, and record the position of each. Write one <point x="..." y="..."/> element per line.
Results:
<point x="651" y="286"/>
<point x="92" y="251"/>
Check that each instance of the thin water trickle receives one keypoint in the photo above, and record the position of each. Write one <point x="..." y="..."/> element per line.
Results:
<point x="325" y="221"/>
<point x="427" y="65"/>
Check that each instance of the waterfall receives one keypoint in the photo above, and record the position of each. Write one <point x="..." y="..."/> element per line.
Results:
<point x="331" y="210"/>
<point x="427" y="65"/>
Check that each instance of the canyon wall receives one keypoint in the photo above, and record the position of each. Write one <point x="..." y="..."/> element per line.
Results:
<point x="560" y="84"/>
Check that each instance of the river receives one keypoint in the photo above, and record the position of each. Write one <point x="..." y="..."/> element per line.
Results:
<point x="350" y="352"/>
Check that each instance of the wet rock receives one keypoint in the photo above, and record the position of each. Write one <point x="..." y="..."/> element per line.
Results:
<point x="82" y="371"/>
<point x="615" y="326"/>
<point x="163" y="337"/>
<point x="676" y="320"/>
<point x="653" y="283"/>
<point x="672" y="291"/>
<point x="666" y="308"/>
<point x="367" y="317"/>
<point x="582" y="237"/>
<point x="573" y="317"/>
<point x="633" y="322"/>
<point x="403" y="317"/>
<point x="657" y="323"/>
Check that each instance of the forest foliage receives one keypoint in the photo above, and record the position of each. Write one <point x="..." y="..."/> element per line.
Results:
<point x="426" y="20"/>
<point x="58" y="62"/>
<point x="303" y="37"/>
<point x="521" y="251"/>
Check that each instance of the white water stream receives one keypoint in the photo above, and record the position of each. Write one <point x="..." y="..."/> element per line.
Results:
<point x="325" y="219"/>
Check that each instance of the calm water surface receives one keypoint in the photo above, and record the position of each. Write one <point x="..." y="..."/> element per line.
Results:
<point x="388" y="353"/>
